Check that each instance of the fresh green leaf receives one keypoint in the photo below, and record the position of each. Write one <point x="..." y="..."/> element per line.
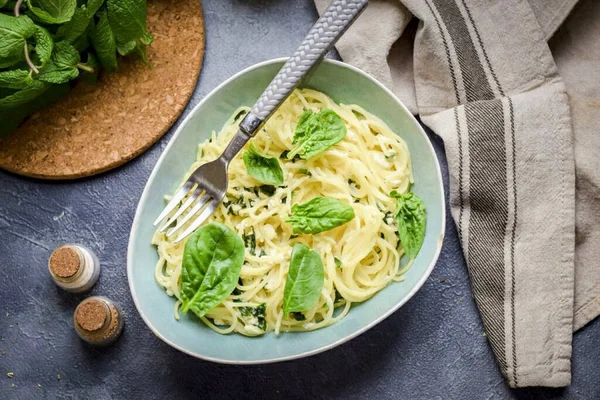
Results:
<point x="128" y="20"/>
<point x="305" y="171"/>
<point x="284" y="156"/>
<point x="82" y="43"/>
<point x="127" y="48"/>
<point x="212" y="261"/>
<point x="53" y="11"/>
<point x="93" y="6"/>
<point x="338" y="262"/>
<point x="259" y="312"/>
<point x="304" y="281"/>
<point x="319" y="214"/>
<point x="104" y="43"/>
<point x="23" y="96"/>
<point x="410" y="218"/>
<point x="12" y="118"/>
<point x="317" y="132"/>
<point x="13" y="33"/>
<point x="3" y="3"/>
<point x="263" y="168"/>
<point x="62" y="67"/>
<point x="43" y="44"/>
<point x="76" y="27"/>
<point x="15" y="79"/>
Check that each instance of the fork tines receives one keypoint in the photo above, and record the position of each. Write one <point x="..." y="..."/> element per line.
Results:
<point x="197" y="198"/>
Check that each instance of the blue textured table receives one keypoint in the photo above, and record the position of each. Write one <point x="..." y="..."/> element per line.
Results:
<point x="432" y="348"/>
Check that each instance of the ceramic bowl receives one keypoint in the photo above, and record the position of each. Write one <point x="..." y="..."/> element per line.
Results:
<point x="345" y="84"/>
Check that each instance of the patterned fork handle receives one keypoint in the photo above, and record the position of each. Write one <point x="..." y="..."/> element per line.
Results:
<point x="324" y="34"/>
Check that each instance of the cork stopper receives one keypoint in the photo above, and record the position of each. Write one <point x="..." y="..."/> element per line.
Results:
<point x="91" y="315"/>
<point x="64" y="262"/>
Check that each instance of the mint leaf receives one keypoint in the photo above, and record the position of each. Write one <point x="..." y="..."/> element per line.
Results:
<point x="411" y="219"/>
<point x="12" y="118"/>
<point x="76" y="27"/>
<point x="127" y="48"/>
<point x="13" y="33"/>
<point x="263" y="168"/>
<point x="62" y="67"/>
<point x="128" y="20"/>
<point x="104" y="43"/>
<point x="43" y="44"/>
<point x="317" y="132"/>
<point x="53" y="11"/>
<point x="93" y="6"/>
<point x="31" y="91"/>
<point x="15" y="79"/>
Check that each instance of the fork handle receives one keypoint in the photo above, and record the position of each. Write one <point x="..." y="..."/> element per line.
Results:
<point x="336" y="19"/>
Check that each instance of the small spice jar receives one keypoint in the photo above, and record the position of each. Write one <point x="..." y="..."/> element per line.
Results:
<point x="98" y="321"/>
<point x="74" y="268"/>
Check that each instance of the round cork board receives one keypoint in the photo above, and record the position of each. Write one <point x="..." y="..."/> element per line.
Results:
<point x="97" y="127"/>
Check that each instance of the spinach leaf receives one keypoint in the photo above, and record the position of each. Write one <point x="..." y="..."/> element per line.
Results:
<point x="259" y="312"/>
<point x="284" y="156"/>
<point x="305" y="171"/>
<point x="104" y="43"/>
<point x="410" y="217"/>
<point x="103" y="40"/>
<point x="15" y="79"/>
<point x="319" y="214"/>
<point x="44" y="44"/>
<point x="62" y="67"/>
<point x="212" y="261"/>
<point x="13" y="33"/>
<point x="316" y="133"/>
<point x="263" y="168"/>
<point x="304" y="281"/>
<point x="128" y="21"/>
<point x="338" y="262"/>
<point x="53" y="11"/>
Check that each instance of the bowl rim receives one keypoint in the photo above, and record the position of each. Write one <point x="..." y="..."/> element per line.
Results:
<point x="145" y="193"/>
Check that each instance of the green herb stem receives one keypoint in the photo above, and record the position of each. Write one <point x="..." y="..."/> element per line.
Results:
<point x="18" y="7"/>
<point x="85" y="68"/>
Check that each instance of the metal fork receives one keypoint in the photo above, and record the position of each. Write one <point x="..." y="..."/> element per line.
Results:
<point x="206" y="187"/>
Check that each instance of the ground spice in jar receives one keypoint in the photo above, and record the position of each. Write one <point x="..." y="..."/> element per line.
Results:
<point x="98" y="321"/>
<point x="74" y="268"/>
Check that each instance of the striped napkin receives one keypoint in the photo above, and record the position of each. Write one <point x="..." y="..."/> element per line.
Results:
<point x="482" y="76"/>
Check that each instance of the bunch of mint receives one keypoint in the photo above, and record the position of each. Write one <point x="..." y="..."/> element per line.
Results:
<point x="45" y="44"/>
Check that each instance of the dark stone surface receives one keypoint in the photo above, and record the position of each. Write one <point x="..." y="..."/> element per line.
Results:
<point x="432" y="348"/>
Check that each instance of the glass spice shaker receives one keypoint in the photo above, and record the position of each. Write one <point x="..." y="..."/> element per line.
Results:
<point x="98" y="321"/>
<point x="74" y="268"/>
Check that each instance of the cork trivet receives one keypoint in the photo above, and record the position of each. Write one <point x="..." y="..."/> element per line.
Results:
<point x="64" y="262"/>
<point x="91" y="315"/>
<point x="101" y="126"/>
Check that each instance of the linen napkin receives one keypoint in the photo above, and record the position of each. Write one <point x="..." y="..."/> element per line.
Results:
<point x="482" y="76"/>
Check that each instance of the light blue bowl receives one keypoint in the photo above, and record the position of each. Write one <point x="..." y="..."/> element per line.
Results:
<point x="345" y="84"/>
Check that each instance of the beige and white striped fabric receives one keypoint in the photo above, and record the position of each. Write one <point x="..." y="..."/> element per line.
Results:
<point x="482" y="76"/>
